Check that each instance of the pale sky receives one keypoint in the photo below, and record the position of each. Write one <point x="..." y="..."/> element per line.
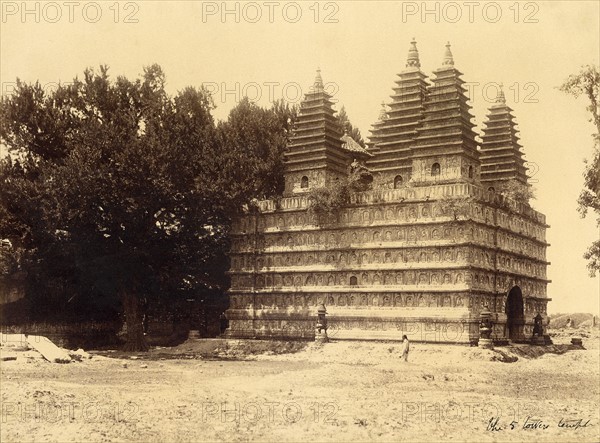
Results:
<point x="270" y="50"/>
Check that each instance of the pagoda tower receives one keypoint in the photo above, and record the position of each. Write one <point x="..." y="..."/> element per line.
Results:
<point x="375" y="137"/>
<point x="501" y="155"/>
<point x="445" y="149"/>
<point x="316" y="153"/>
<point x="392" y="136"/>
<point x="390" y="262"/>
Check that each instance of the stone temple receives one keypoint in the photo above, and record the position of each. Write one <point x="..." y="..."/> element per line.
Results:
<point x="430" y="246"/>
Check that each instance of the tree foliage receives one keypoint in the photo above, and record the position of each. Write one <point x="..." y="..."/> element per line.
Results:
<point x="459" y="208"/>
<point x="8" y="262"/>
<point x="587" y="83"/>
<point x="116" y="190"/>
<point x="260" y="137"/>
<point x="516" y="191"/>
<point x="352" y="131"/>
<point x="324" y="202"/>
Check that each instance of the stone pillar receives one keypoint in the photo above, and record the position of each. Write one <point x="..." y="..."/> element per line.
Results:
<point x="321" y="327"/>
<point x="485" y="329"/>
<point x="537" y="337"/>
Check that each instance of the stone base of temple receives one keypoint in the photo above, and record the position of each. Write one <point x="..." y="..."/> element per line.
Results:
<point x="355" y="324"/>
<point x="520" y="341"/>
<point x="382" y="323"/>
<point x="486" y="343"/>
<point x="538" y="340"/>
<point x="418" y="329"/>
<point x="273" y="334"/>
<point x="321" y="337"/>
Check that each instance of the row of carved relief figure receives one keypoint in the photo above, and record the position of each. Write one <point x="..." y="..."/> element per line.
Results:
<point x="448" y="300"/>
<point x="340" y="259"/>
<point x="393" y="214"/>
<point x="270" y="327"/>
<point x="518" y="224"/>
<point x="299" y="301"/>
<point x="476" y="280"/>
<point x="357" y="238"/>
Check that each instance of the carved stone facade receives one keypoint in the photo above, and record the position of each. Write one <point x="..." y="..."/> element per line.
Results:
<point x="392" y="261"/>
<point x="389" y="263"/>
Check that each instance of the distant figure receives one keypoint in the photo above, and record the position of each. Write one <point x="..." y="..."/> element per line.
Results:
<point x="569" y="323"/>
<point x="405" y="347"/>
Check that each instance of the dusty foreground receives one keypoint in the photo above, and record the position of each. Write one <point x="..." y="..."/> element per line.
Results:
<point x="340" y="392"/>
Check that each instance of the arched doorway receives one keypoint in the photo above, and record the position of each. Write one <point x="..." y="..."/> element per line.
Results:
<point x="515" y="316"/>
<point x="398" y="182"/>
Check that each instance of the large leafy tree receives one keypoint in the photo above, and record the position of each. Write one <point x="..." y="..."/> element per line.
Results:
<point x="260" y="137"/>
<point x="115" y="189"/>
<point x="587" y="83"/>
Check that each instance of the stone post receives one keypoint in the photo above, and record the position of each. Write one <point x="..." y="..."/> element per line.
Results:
<point x="537" y="337"/>
<point x="321" y="327"/>
<point x="485" y="329"/>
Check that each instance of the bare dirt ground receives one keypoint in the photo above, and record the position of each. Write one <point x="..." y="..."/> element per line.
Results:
<point x="209" y="390"/>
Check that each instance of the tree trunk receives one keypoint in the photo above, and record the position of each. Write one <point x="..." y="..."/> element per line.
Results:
<point x="136" y="341"/>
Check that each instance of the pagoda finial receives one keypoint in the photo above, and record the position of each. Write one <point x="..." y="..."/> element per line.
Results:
<point x="413" y="55"/>
<point x="500" y="98"/>
<point x="448" y="58"/>
<point x="383" y="112"/>
<point x="318" y="85"/>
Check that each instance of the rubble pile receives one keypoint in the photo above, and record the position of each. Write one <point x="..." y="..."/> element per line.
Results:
<point x="37" y="347"/>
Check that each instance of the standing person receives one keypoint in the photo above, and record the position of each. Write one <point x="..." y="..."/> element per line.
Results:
<point x="405" y="347"/>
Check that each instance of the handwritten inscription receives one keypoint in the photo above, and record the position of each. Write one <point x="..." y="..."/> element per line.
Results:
<point x="533" y="423"/>
<point x="573" y="424"/>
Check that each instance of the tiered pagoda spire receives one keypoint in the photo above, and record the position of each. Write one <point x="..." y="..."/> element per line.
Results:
<point x="315" y="152"/>
<point x="375" y="137"/>
<point x="445" y="148"/>
<point x="501" y="155"/>
<point x="424" y="135"/>
<point x="392" y="136"/>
